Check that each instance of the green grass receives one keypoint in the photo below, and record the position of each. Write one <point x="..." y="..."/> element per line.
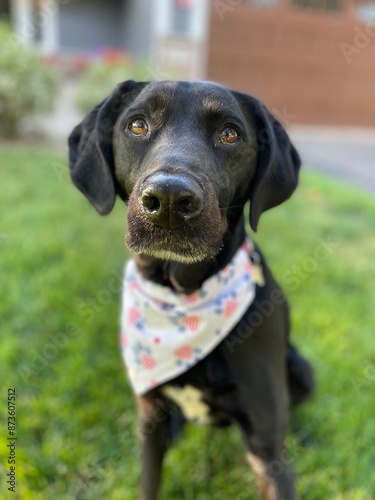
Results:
<point x="60" y="266"/>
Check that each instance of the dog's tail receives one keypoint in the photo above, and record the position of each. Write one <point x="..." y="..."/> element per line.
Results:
<point x="301" y="378"/>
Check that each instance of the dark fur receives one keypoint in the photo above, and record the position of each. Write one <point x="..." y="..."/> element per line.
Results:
<point x="253" y="377"/>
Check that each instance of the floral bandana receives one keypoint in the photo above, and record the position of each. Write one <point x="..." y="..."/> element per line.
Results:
<point x="165" y="333"/>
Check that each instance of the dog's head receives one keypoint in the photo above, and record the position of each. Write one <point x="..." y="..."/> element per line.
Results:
<point x="185" y="156"/>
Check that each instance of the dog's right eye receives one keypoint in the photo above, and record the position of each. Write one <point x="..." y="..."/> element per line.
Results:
<point x="138" y="127"/>
<point x="229" y="135"/>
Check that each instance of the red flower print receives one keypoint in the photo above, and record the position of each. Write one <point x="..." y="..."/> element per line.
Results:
<point x="184" y="352"/>
<point x="191" y="322"/>
<point x="134" y="285"/>
<point x="192" y="297"/>
<point x="249" y="267"/>
<point x="123" y="339"/>
<point x="148" y="361"/>
<point x="134" y="315"/>
<point x="226" y="269"/>
<point x="230" y="307"/>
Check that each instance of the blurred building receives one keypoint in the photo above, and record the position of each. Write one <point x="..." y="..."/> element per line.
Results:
<point x="311" y="61"/>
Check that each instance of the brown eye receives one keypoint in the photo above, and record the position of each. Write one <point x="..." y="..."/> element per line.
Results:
<point x="229" y="135"/>
<point x="138" y="127"/>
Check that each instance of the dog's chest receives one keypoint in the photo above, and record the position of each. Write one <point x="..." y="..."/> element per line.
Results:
<point x="190" y="401"/>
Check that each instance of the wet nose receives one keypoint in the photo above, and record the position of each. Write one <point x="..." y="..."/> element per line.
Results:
<point x="171" y="200"/>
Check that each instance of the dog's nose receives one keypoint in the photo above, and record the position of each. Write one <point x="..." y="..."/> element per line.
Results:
<point x="170" y="200"/>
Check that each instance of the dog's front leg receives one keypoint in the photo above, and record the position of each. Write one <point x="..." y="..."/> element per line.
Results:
<point x="264" y="431"/>
<point x="275" y="480"/>
<point x="263" y="441"/>
<point x="153" y="421"/>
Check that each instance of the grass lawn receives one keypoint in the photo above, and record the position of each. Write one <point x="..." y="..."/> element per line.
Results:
<point x="60" y="267"/>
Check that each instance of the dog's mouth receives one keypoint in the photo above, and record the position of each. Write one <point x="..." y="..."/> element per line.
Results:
<point x="187" y="245"/>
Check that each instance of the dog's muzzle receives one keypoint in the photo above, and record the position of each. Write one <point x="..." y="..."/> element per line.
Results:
<point x="171" y="200"/>
<point x="175" y="216"/>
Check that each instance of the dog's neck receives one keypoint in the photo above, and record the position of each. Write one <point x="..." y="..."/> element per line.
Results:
<point x="186" y="278"/>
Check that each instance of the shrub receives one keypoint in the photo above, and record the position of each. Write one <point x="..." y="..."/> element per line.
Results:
<point x="101" y="76"/>
<point x="27" y="85"/>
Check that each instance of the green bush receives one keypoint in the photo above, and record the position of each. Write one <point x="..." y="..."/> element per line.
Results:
<point x="27" y="85"/>
<point x="100" y="77"/>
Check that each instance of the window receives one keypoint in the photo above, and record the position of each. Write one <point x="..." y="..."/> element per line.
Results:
<point x="181" y="16"/>
<point x="4" y="8"/>
<point x="325" y="5"/>
<point x="365" y="11"/>
<point x="38" y="20"/>
<point x="263" y="3"/>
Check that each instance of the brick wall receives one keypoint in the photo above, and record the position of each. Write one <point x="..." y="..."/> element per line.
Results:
<point x="317" y="67"/>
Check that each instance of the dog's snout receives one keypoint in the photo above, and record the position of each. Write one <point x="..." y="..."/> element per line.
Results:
<point x="170" y="200"/>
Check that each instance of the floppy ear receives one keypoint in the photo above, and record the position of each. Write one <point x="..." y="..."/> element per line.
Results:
<point x="90" y="149"/>
<point x="278" y="162"/>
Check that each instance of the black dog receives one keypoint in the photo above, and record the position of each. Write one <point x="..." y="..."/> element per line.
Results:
<point x="186" y="157"/>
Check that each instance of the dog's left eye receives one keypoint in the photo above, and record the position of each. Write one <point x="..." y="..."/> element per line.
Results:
<point x="138" y="127"/>
<point x="229" y="135"/>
